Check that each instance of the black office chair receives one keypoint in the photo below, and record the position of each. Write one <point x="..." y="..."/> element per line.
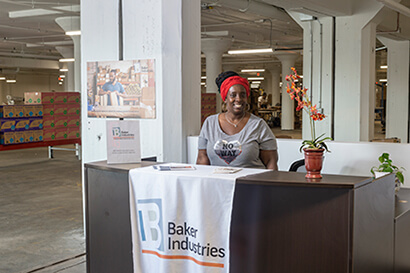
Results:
<point x="298" y="166"/>
<point x="152" y="159"/>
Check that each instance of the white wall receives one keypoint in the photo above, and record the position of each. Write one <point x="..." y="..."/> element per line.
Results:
<point x="345" y="158"/>
<point x="30" y="83"/>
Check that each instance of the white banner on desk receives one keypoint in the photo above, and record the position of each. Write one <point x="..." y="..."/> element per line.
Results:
<point x="181" y="219"/>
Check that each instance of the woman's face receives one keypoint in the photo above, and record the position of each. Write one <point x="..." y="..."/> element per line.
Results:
<point x="236" y="99"/>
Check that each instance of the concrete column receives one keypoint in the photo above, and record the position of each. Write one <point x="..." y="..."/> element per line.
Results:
<point x="266" y="84"/>
<point x="68" y="52"/>
<point x="288" y="114"/>
<point x="355" y="84"/>
<point x="397" y="101"/>
<point x="354" y="92"/>
<point x="213" y="48"/>
<point x="318" y="52"/>
<point x="167" y="31"/>
<point x="275" y="79"/>
<point x="68" y="24"/>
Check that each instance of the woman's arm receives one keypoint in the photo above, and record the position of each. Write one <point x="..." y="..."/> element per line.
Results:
<point x="269" y="158"/>
<point x="202" y="158"/>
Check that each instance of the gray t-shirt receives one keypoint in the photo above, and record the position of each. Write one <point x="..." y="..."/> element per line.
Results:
<point x="239" y="150"/>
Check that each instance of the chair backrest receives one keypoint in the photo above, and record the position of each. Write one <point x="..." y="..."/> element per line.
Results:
<point x="152" y="158"/>
<point x="298" y="166"/>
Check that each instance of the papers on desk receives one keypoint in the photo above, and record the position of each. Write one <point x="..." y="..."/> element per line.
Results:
<point x="226" y="170"/>
<point x="217" y="170"/>
<point x="174" y="168"/>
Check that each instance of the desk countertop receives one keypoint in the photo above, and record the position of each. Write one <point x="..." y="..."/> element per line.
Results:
<point x="102" y="165"/>
<point x="280" y="178"/>
<point x="277" y="178"/>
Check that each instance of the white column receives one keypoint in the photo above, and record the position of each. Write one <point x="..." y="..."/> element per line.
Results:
<point x="355" y="38"/>
<point x="397" y="101"/>
<point x="167" y="31"/>
<point x="213" y="48"/>
<point x="287" y="107"/>
<point x="267" y="83"/>
<point x="274" y="83"/>
<point x="69" y="24"/>
<point x="355" y="84"/>
<point x="318" y="52"/>
<point x="68" y="52"/>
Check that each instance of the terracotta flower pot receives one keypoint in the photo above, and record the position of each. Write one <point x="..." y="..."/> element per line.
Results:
<point x="313" y="162"/>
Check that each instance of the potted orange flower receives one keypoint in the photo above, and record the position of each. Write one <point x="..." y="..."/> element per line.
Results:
<point x="313" y="148"/>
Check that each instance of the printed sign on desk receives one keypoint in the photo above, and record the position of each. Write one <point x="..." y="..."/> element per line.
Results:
<point x="123" y="141"/>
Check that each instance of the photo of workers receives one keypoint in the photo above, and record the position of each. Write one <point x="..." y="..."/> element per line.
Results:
<point x="122" y="89"/>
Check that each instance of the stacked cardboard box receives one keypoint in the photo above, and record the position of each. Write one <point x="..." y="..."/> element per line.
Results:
<point x="62" y="115"/>
<point x="21" y="124"/>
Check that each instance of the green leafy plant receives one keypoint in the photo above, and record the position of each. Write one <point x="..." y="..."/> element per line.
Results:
<point x="386" y="165"/>
<point x="298" y="93"/>
<point x="317" y="143"/>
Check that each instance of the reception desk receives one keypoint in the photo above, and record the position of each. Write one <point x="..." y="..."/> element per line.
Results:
<point x="280" y="222"/>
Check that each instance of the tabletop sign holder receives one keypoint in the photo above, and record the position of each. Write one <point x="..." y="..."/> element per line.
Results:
<point x="123" y="141"/>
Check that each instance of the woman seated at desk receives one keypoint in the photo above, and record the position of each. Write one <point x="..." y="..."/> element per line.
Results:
<point x="236" y="138"/>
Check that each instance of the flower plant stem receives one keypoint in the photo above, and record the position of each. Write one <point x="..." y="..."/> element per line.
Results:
<point x="312" y="124"/>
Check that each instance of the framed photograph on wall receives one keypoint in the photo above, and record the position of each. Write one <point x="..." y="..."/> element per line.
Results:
<point x="121" y="89"/>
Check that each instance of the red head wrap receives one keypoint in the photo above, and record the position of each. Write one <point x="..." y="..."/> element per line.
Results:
<point x="232" y="81"/>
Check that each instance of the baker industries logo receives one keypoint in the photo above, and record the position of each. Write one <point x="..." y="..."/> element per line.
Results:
<point x="150" y="223"/>
<point x="171" y="240"/>
<point x="118" y="133"/>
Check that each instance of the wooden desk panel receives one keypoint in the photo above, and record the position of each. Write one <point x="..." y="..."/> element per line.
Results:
<point x="402" y="232"/>
<point x="280" y="223"/>
<point x="283" y="229"/>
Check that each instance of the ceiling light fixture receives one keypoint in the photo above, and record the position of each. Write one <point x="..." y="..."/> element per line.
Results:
<point x="383" y="66"/>
<point x="256" y="79"/>
<point x="383" y="80"/>
<point x="63" y="69"/>
<point x="2" y="78"/>
<point x="256" y="82"/>
<point x="203" y="77"/>
<point x="73" y="33"/>
<point x="11" y="81"/>
<point x="253" y="70"/>
<point x="250" y="51"/>
<point x="66" y="60"/>
<point x="62" y="76"/>
<point x="256" y="50"/>
<point x="31" y="13"/>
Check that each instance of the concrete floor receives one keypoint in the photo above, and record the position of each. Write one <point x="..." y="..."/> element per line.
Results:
<point x="41" y="215"/>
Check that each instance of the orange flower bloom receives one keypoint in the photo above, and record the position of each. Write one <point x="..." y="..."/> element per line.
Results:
<point x="300" y="95"/>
